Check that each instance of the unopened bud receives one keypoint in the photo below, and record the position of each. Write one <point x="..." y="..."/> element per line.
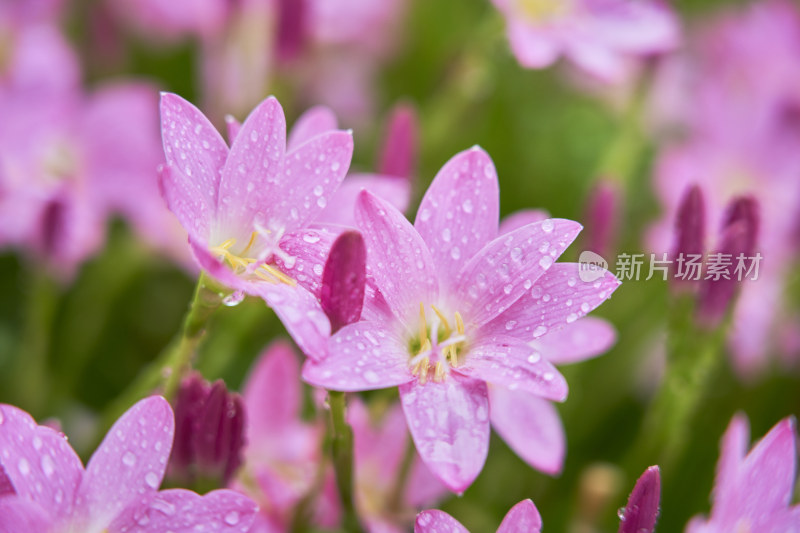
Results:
<point x="398" y="156"/>
<point x="641" y="513"/>
<point x="602" y="217"/>
<point x="292" y="29"/>
<point x="690" y="223"/>
<point x="209" y="432"/>
<point x="344" y="279"/>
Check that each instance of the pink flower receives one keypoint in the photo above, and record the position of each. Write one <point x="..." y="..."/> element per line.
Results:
<point x="118" y="490"/>
<point x="522" y="518"/>
<point x="738" y="105"/>
<point x="173" y="19"/>
<point x="753" y="491"/>
<point x="379" y="449"/>
<point x="601" y="37"/>
<point x="282" y="452"/>
<point x="453" y="307"/>
<point x="247" y="209"/>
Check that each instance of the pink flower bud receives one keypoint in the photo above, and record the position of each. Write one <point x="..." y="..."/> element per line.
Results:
<point x="602" y="217"/>
<point x="398" y="155"/>
<point x="690" y="223"/>
<point x="641" y="513"/>
<point x="343" y="280"/>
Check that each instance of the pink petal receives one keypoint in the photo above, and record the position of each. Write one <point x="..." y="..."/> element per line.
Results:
<point x="522" y="518"/>
<point x="510" y="363"/>
<point x="497" y="276"/>
<point x="459" y="214"/>
<point x="313" y="122"/>
<point x="341" y="208"/>
<point x="361" y="356"/>
<point x="18" y="515"/>
<point x="129" y="462"/>
<point x="531" y="427"/>
<point x="605" y="64"/>
<point x="301" y="315"/>
<point x="555" y="300"/>
<point x="398" y="155"/>
<point x="533" y="47"/>
<point x="272" y="392"/>
<point x="218" y="270"/>
<point x="437" y="522"/>
<point x="311" y="175"/>
<point x="768" y="473"/>
<point x="397" y="257"/>
<point x="255" y="161"/>
<point x="634" y="27"/>
<point x="586" y="338"/>
<point x="183" y="511"/>
<point x="309" y="249"/>
<point x="41" y="465"/>
<point x="788" y="521"/>
<point x="449" y="422"/>
<point x="522" y="218"/>
<point x="195" y="155"/>
<point x="732" y="452"/>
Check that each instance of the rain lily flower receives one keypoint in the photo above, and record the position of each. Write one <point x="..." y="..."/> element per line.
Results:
<point x="753" y="490"/>
<point x="172" y="19"/>
<point x="247" y="209"/>
<point x="454" y="307"/>
<point x="641" y="513"/>
<point x="522" y="518"/>
<point x="51" y="491"/>
<point x="282" y="453"/>
<point x="738" y="108"/>
<point x="601" y="37"/>
<point x="380" y="447"/>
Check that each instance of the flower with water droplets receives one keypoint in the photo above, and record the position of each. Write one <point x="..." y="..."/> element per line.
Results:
<point x="247" y="209"/>
<point x="601" y="37"/>
<point x="118" y="490"/>
<point x="753" y="491"/>
<point x="453" y="306"/>
<point x="522" y="518"/>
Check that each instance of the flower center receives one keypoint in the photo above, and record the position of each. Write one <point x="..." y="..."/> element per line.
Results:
<point x="542" y="10"/>
<point x="437" y="347"/>
<point x="242" y="263"/>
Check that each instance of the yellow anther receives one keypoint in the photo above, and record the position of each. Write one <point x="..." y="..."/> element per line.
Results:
<point x="459" y="323"/>
<point x="250" y="242"/>
<point x="423" y="324"/>
<point x="278" y="274"/>
<point x="445" y="323"/>
<point x="424" y="367"/>
<point x="227" y="244"/>
<point x="425" y="347"/>
<point x="438" y="375"/>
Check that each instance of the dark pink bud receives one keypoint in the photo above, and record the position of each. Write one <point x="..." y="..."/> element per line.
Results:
<point x="602" y="217"/>
<point x="690" y="223"/>
<point x="641" y="513"/>
<point x="6" y="488"/>
<point x="745" y="209"/>
<point x="209" y="432"/>
<point x="292" y="29"/>
<point x="398" y="156"/>
<point x="54" y="228"/>
<point x="717" y="291"/>
<point x="342" y="292"/>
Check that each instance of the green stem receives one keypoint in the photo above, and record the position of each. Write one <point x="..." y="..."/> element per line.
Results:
<point x="206" y="300"/>
<point x="342" y="446"/>
<point x="30" y="370"/>
<point x="400" y="482"/>
<point x="175" y="361"/>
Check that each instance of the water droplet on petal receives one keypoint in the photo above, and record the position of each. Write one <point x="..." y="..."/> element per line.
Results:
<point x="151" y="478"/>
<point x="321" y="201"/>
<point x="621" y="513"/>
<point x="539" y="331"/>
<point x="233" y="299"/>
<point x="516" y="254"/>
<point x="128" y="459"/>
<point x="466" y="205"/>
<point x="585" y="307"/>
<point x="48" y="467"/>
<point x="24" y="467"/>
<point x="546" y="261"/>
<point x="535" y="357"/>
<point x="510" y="324"/>
<point x="572" y="317"/>
<point x="446" y="235"/>
<point x="547" y="226"/>
<point x="232" y="518"/>
<point x="455" y="253"/>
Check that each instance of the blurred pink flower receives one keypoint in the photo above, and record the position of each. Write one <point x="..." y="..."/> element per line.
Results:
<point x="173" y="19"/>
<point x="379" y="449"/>
<point x="522" y="518"/>
<point x="601" y="37"/>
<point x="247" y="210"/>
<point x="69" y="160"/>
<point x="753" y="491"/>
<point x="282" y="453"/>
<point x="486" y="297"/>
<point x="118" y="490"/>
<point x="738" y="98"/>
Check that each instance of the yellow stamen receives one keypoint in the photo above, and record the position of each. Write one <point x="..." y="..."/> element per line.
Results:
<point x="227" y="244"/>
<point x="445" y="323"/>
<point x="423" y="324"/>
<point x="423" y="376"/>
<point x="438" y="375"/>
<point x="459" y="323"/>
<point x="250" y="242"/>
<point x="278" y="274"/>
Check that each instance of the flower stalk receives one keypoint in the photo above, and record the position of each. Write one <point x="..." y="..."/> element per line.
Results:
<point x="342" y="446"/>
